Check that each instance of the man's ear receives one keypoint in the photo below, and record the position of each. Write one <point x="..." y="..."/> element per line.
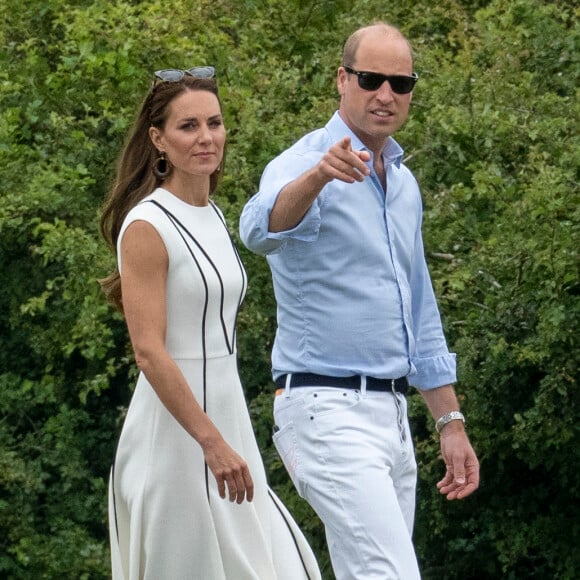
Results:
<point x="341" y="78"/>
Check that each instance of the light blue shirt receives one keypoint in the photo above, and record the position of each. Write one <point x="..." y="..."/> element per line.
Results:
<point x="353" y="291"/>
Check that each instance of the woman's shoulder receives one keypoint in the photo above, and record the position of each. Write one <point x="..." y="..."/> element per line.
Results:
<point x="146" y="209"/>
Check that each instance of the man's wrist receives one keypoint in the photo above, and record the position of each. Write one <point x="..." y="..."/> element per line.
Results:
<point x="448" y="418"/>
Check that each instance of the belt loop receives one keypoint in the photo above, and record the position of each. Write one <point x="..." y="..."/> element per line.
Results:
<point x="363" y="386"/>
<point x="287" y="385"/>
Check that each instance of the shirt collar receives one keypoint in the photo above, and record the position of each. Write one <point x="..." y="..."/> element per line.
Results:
<point x="337" y="128"/>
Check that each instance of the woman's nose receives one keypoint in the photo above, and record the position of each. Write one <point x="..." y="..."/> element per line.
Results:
<point x="204" y="133"/>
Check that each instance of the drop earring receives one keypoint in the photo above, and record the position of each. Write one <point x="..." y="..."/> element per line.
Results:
<point x="162" y="166"/>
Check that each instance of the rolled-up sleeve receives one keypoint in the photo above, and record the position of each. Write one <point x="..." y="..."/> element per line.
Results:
<point x="434" y="365"/>
<point x="255" y="217"/>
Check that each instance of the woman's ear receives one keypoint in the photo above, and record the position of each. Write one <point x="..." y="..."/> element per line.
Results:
<point x="155" y="136"/>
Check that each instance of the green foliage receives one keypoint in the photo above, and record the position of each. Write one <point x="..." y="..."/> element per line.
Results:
<point x="499" y="170"/>
<point x="492" y="138"/>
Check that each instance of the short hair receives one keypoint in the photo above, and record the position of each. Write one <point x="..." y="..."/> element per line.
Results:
<point x="353" y="41"/>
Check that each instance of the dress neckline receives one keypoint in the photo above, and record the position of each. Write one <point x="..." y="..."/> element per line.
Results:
<point x="166" y="194"/>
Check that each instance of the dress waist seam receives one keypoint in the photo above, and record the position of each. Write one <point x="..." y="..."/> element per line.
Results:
<point x="201" y="359"/>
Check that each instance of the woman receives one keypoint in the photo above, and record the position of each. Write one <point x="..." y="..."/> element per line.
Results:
<point x="187" y="444"/>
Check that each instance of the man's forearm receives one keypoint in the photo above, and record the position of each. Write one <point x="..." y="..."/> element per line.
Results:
<point x="295" y="200"/>
<point x="442" y="401"/>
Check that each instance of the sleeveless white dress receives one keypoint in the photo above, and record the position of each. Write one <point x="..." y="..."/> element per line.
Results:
<point x="167" y="521"/>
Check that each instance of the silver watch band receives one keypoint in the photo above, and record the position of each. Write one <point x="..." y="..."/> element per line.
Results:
<point x="447" y="418"/>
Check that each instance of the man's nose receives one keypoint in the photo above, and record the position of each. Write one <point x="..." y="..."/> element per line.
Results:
<point x="385" y="92"/>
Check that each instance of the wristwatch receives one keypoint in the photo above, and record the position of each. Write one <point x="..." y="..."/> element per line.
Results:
<point x="447" y="418"/>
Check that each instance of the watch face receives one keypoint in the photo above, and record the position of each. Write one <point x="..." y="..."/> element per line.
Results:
<point x="447" y="418"/>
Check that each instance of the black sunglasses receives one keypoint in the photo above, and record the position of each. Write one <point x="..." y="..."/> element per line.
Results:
<point x="173" y="75"/>
<point x="370" y="81"/>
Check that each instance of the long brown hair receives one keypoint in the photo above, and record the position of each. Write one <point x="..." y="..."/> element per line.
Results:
<point x="134" y="176"/>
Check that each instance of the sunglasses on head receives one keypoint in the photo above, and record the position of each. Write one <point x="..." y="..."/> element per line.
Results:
<point x="370" y="81"/>
<point x="173" y="75"/>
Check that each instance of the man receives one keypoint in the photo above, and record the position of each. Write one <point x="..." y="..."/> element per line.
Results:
<point x="339" y="218"/>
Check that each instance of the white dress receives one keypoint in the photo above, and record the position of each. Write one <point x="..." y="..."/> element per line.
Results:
<point x="167" y="521"/>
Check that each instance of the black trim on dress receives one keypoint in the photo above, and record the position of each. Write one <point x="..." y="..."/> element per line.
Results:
<point x="230" y="344"/>
<point x="291" y="533"/>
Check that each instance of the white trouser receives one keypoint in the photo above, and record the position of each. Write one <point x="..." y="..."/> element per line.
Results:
<point x="350" y="455"/>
